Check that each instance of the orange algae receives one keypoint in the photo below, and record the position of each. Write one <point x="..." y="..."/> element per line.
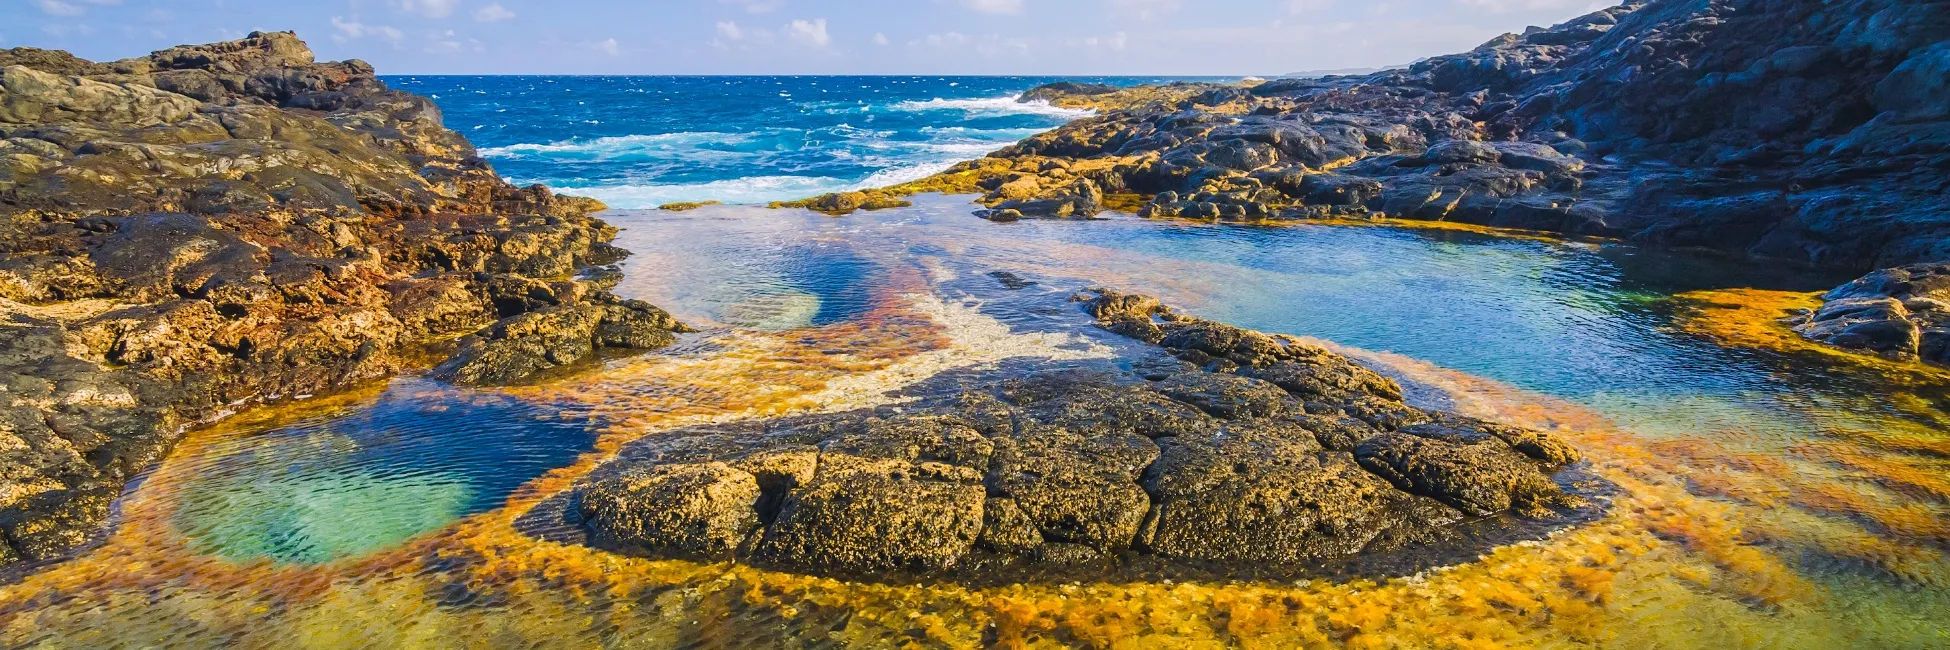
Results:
<point x="1702" y="527"/>
<point x="1755" y="318"/>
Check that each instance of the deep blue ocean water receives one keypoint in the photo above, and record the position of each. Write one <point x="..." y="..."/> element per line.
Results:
<point x="638" y="142"/>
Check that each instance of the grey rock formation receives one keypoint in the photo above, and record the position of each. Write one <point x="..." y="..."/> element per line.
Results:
<point x="1901" y="313"/>
<point x="1815" y="131"/>
<point x="1069" y="467"/>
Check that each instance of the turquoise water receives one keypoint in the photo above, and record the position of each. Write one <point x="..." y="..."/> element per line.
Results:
<point x="638" y="142"/>
<point x="343" y="484"/>
<point x="1580" y="321"/>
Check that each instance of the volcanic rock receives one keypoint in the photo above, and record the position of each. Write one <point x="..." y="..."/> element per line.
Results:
<point x="1081" y="468"/>
<point x="218" y="225"/>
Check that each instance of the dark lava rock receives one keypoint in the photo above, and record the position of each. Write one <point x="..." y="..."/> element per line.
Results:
<point x="343" y="231"/>
<point x="1901" y="313"/>
<point x="1080" y="469"/>
<point x="1816" y="131"/>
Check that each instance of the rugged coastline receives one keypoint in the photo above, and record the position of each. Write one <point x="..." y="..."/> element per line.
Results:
<point x="209" y="227"/>
<point x="1815" y="133"/>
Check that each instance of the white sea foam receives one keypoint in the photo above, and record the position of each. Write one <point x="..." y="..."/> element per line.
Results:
<point x="756" y="190"/>
<point x="601" y="148"/>
<point x="992" y="106"/>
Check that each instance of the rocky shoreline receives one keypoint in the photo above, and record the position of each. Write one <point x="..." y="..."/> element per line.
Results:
<point x="1816" y="133"/>
<point x="209" y="227"/>
<point x="1225" y="447"/>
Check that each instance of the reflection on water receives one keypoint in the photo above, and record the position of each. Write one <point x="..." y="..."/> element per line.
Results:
<point x="1767" y="500"/>
<point x="342" y="484"/>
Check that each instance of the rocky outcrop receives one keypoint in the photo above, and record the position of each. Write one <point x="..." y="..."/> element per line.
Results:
<point x="1808" y="130"/>
<point x="1248" y="448"/>
<point x="212" y="226"/>
<point x="1901" y="313"/>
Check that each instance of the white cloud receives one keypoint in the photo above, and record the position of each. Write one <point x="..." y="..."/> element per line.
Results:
<point x="607" y="46"/>
<point x="730" y="30"/>
<point x="756" y="6"/>
<point x="810" y="32"/>
<point x="443" y="43"/>
<point x="1297" y="7"/>
<point x="429" y="8"/>
<point x="1146" y="9"/>
<point x="57" y="8"/>
<point x="352" y="30"/>
<point x="994" y="6"/>
<point x="493" y="13"/>
<point x="879" y="38"/>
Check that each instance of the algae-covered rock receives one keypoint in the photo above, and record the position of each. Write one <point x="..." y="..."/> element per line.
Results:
<point x="696" y="510"/>
<point x="1083" y="469"/>
<point x="1900" y="313"/>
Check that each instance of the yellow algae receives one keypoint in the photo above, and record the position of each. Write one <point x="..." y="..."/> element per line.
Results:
<point x="1755" y="318"/>
<point x="1127" y="202"/>
<point x="685" y="206"/>
<point x="1669" y="565"/>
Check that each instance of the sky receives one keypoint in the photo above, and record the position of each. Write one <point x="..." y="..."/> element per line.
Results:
<point x="933" y="37"/>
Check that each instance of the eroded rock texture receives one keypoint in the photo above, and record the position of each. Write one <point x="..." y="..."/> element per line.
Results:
<point x="211" y="226"/>
<point x="1810" y="130"/>
<point x="1252" y="449"/>
<point x="1901" y="313"/>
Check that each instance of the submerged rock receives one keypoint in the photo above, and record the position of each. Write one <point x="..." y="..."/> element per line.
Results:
<point x="210" y="226"/>
<point x="1073" y="467"/>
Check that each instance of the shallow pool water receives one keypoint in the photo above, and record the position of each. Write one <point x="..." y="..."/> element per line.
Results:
<point x="1766" y="498"/>
<point x="346" y="482"/>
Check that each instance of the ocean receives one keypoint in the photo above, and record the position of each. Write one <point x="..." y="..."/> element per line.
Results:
<point x="639" y="142"/>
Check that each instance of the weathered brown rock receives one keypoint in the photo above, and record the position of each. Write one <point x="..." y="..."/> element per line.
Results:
<point x="233" y="223"/>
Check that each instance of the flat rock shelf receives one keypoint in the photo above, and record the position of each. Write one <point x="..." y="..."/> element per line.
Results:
<point x="1226" y="450"/>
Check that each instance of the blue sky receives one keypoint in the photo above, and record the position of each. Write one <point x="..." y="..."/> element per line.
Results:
<point x="1026" y="37"/>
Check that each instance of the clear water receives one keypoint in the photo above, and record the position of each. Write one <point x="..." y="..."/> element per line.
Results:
<point x="350" y="481"/>
<point x="1767" y="500"/>
<point x="639" y="142"/>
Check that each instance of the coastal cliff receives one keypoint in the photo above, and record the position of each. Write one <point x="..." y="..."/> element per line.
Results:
<point x="208" y="227"/>
<point x="1808" y="131"/>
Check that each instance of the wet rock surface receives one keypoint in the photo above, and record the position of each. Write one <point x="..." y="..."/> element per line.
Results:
<point x="207" y="227"/>
<point x="1191" y="460"/>
<point x="1901" y="313"/>
<point x="1806" y="130"/>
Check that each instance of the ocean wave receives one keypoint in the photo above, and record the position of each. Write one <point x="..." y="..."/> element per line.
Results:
<point x="966" y="149"/>
<point x="992" y="106"/>
<point x="749" y="190"/>
<point x="614" y="146"/>
<point x="752" y="190"/>
<point x="1009" y="135"/>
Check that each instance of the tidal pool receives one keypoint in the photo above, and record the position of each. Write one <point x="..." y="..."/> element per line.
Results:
<point x="343" y="483"/>
<point x="1766" y="498"/>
